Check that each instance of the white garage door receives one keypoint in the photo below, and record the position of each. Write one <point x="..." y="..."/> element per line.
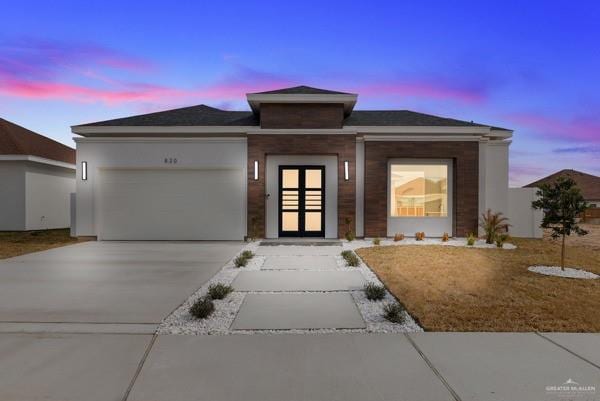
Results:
<point x="171" y="205"/>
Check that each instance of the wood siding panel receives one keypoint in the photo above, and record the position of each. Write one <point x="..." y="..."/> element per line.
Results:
<point x="301" y="115"/>
<point x="341" y="145"/>
<point x="465" y="156"/>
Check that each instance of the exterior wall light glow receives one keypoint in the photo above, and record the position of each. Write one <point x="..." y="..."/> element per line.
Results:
<point x="255" y="170"/>
<point x="346" y="170"/>
<point x="84" y="171"/>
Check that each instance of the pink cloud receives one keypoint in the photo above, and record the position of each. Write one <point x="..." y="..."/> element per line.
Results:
<point x="583" y="129"/>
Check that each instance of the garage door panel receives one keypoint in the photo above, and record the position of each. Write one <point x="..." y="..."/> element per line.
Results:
<point x="171" y="205"/>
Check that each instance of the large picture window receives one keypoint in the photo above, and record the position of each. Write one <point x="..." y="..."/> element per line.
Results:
<point x="418" y="190"/>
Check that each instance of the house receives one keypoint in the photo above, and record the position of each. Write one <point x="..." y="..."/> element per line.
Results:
<point x="588" y="184"/>
<point x="37" y="176"/>
<point x="301" y="163"/>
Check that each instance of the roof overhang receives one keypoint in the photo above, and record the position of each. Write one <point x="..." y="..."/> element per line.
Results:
<point x="37" y="159"/>
<point x="256" y="99"/>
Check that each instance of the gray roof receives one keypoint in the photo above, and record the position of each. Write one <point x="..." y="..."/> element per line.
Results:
<point x="302" y="90"/>
<point x="203" y="115"/>
<point x="200" y="115"/>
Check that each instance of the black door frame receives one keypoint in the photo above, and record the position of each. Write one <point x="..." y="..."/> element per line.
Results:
<point x="301" y="201"/>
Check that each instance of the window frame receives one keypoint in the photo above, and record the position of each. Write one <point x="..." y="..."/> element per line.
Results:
<point x="424" y="162"/>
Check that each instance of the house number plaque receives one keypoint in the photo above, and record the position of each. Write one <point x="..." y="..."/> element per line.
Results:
<point x="170" y="160"/>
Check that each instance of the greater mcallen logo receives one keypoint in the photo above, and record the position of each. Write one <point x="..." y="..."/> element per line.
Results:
<point x="571" y="388"/>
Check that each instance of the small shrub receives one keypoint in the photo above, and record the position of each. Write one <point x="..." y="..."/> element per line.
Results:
<point x="420" y="236"/>
<point x="374" y="292"/>
<point x="219" y="291"/>
<point x="351" y="258"/>
<point x="247" y="254"/>
<point x="240" y="261"/>
<point x="493" y="224"/>
<point x="445" y="237"/>
<point x="501" y="239"/>
<point x="471" y="239"/>
<point x="253" y="234"/>
<point x="202" y="308"/>
<point x="398" y="237"/>
<point x="394" y="313"/>
<point x="376" y="241"/>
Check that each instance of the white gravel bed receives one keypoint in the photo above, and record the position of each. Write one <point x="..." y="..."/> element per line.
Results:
<point x="219" y="322"/>
<point x="558" y="272"/>
<point x="458" y="242"/>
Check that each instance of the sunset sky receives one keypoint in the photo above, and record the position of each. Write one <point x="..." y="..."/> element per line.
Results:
<point x="530" y="66"/>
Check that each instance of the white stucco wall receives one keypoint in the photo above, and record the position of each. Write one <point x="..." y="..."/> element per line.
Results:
<point x="493" y="176"/>
<point x="524" y="219"/>
<point x="331" y="187"/>
<point x="150" y="153"/>
<point x="48" y="190"/>
<point x="12" y="195"/>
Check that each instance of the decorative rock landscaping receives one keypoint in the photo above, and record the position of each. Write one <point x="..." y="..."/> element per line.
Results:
<point x="460" y="242"/>
<point x="221" y="321"/>
<point x="567" y="273"/>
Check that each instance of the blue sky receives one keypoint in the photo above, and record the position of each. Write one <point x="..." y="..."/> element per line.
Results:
<point x="529" y="66"/>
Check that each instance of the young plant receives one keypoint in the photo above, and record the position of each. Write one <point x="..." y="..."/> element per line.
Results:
<point x="247" y="254"/>
<point x="562" y="203"/>
<point x="240" y="261"/>
<point x="219" y="291"/>
<point x="350" y="258"/>
<point x="253" y="232"/>
<point x="202" y="308"/>
<point x="374" y="292"/>
<point x="349" y="235"/>
<point x="420" y="236"/>
<point x="394" y="313"/>
<point x="398" y="237"/>
<point x="376" y="241"/>
<point x="501" y="239"/>
<point x="445" y="237"/>
<point x="471" y="239"/>
<point x="493" y="224"/>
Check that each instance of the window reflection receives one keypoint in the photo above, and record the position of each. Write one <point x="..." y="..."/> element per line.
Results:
<point x="419" y="190"/>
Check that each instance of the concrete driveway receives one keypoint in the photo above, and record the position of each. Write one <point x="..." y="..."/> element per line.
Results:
<point x="107" y="282"/>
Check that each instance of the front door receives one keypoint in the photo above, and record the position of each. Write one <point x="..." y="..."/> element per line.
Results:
<point x="301" y="201"/>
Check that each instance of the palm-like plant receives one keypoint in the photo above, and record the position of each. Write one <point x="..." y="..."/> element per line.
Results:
<point x="493" y="224"/>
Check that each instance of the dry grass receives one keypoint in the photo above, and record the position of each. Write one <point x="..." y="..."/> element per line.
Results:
<point x="15" y="243"/>
<point x="466" y="289"/>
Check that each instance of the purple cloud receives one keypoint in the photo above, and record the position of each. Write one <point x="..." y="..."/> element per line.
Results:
<point x="584" y="129"/>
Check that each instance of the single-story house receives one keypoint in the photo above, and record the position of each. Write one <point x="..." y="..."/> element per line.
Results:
<point x="588" y="184"/>
<point x="302" y="162"/>
<point x="37" y="176"/>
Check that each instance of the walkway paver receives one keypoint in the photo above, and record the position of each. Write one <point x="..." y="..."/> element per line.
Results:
<point x="348" y="367"/>
<point x="291" y="280"/>
<point x="295" y="250"/>
<point x="503" y="366"/>
<point x="308" y="262"/>
<point x="298" y="311"/>
<point x="68" y="367"/>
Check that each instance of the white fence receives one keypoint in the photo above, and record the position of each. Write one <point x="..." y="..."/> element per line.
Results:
<point x="524" y="219"/>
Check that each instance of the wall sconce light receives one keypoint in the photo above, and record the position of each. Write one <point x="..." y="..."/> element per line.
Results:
<point x="346" y="170"/>
<point x="255" y="170"/>
<point x="84" y="171"/>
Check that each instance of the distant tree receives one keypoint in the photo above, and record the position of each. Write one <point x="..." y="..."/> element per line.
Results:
<point x="562" y="202"/>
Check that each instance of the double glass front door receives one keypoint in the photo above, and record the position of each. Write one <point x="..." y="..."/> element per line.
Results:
<point x="301" y="201"/>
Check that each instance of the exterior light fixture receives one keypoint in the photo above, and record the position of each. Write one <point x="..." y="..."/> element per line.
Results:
<point x="255" y="170"/>
<point x="84" y="171"/>
<point x="346" y="170"/>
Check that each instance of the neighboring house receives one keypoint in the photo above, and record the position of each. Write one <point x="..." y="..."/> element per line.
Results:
<point x="301" y="163"/>
<point x="588" y="184"/>
<point x="37" y="176"/>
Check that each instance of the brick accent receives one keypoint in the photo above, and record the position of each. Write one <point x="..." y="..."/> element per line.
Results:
<point x="465" y="156"/>
<point x="301" y="115"/>
<point x="342" y="145"/>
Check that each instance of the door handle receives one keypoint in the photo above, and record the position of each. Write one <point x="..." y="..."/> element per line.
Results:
<point x="267" y="196"/>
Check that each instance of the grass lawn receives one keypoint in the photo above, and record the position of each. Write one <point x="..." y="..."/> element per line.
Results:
<point x="466" y="289"/>
<point x="15" y="243"/>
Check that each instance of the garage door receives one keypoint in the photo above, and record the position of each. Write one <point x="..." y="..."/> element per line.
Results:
<point x="171" y="205"/>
